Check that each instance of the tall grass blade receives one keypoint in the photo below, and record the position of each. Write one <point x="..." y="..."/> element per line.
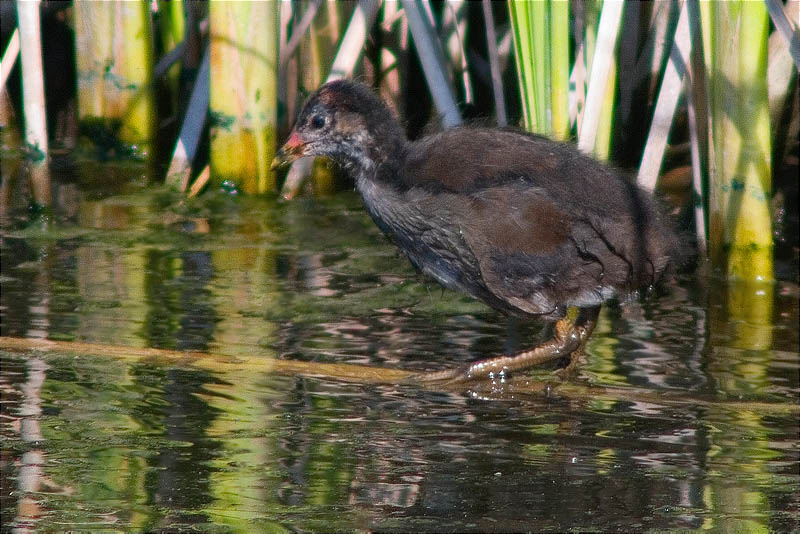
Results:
<point x="454" y="36"/>
<point x="191" y="130"/>
<point x="537" y="20"/>
<point x="523" y="53"/>
<point x="781" y="84"/>
<point x="602" y="74"/>
<point x="697" y="100"/>
<point x="9" y="58"/>
<point x="666" y="105"/>
<point x="300" y="31"/>
<point x="430" y="55"/>
<point x="559" y="68"/>
<point x="541" y="45"/>
<point x="785" y="29"/>
<point x="173" y="24"/>
<point x="494" y="64"/>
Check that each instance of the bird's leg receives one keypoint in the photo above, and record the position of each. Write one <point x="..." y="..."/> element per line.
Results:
<point x="569" y="338"/>
<point x="587" y="319"/>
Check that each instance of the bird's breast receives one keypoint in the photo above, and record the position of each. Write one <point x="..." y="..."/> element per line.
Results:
<point x="428" y="234"/>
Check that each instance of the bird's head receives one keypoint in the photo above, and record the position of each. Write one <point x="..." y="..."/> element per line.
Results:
<point x="345" y="121"/>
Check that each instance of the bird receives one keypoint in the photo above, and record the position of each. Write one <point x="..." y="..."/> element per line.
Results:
<point x="530" y="226"/>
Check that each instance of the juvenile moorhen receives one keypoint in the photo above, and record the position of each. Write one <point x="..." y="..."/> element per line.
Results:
<point x="527" y="225"/>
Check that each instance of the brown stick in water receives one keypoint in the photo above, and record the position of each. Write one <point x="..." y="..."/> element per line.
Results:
<point x="519" y="387"/>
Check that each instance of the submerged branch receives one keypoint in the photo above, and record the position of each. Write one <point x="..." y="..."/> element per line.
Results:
<point x="516" y="388"/>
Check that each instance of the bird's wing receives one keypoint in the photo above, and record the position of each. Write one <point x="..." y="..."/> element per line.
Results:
<point x="523" y="243"/>
<point x="548" y="226"/>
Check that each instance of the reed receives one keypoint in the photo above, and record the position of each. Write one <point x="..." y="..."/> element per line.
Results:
<point x="494" y="64"/>
<point x="433" y="63"/>
<point x="33" y="94"/>
<point x="740" y="228"/>
<point x="453" y="36"/>
<point x="243" y="94"/>
<point x="173" y="24"/>
<point x="559" y="68"/>
<point x="344" y="64"/>
<point x="672" y="86"/>
<point x="9" y="59"/>
<point x="114" y="46"/>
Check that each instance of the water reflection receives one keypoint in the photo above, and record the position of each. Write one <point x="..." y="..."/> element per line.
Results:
<point x="180" y="473"/>
<point x="137" y="445"/>
<point x="180" y="313"/>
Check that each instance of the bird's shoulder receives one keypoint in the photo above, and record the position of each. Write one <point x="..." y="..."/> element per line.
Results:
<point x="519" y="167"/>
<point x="469" y="159"/>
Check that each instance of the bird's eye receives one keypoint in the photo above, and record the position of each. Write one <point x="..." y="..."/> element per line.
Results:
<point x="317" y="122"/>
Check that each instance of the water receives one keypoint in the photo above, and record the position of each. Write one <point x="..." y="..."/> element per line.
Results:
<point x="697" y="428"/>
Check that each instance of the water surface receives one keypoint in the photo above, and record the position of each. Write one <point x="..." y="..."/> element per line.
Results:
<point x="91" y="442"/>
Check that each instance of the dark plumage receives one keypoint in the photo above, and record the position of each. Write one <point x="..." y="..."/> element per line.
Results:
<point x="525" y="224"/>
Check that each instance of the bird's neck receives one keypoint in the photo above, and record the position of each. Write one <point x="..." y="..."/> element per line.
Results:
<point x="380" y="158"/>
<point x="378" y="187"/>
<point x="378" y="175"/>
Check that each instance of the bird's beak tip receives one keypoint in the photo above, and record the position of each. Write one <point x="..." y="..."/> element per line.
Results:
<point x="277" y="162"/>
<point x="291" y="150"/>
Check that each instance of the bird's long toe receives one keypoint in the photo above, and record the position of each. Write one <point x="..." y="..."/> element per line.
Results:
<point x="491" y="369"/>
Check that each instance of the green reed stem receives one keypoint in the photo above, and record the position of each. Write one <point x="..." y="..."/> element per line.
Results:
<point x="541" y="46"/>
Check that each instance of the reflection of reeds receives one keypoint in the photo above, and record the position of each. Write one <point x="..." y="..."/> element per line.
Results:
<point x="741" y="444"/>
